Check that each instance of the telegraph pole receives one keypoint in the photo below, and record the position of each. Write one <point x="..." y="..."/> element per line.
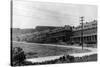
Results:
<point x="82" y="19"/>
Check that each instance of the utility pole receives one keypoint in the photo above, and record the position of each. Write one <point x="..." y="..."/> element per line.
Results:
<point x="82" y="19"/>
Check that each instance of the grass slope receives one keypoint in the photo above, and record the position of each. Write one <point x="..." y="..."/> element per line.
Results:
<point x="38" y="50"/>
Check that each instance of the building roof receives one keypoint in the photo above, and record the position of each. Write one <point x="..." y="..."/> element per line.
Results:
<point x="86" y="25"/>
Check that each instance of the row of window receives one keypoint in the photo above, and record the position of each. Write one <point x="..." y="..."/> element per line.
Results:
<point x="88" y="31"/>
<point x="90" y="25"/>
<point x="88" y="38"/>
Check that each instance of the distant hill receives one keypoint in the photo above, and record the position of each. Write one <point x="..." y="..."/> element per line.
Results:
<point x="31" y="30"/>
<point x="22" y="31"/>
<point x="18" y="33"/>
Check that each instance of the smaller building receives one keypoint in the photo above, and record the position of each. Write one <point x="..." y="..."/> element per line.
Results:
<point x="60" y="34"/>
<point x="54" y="34"/>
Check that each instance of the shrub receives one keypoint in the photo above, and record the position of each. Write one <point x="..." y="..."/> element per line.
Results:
<point x="18" y="56"/>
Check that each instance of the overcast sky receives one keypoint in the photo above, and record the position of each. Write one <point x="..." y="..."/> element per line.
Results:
<point x="29" y="14"/>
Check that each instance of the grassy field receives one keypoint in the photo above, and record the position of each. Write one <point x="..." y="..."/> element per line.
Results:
<point x="36" y="50"/>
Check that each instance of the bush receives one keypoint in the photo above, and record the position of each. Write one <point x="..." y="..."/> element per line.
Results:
<point x="18" y="56"/>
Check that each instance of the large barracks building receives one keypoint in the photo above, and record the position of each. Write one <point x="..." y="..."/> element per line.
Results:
<point x="68" y="33"/>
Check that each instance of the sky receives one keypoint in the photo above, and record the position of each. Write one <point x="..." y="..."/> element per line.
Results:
<point x="29" y="14"/>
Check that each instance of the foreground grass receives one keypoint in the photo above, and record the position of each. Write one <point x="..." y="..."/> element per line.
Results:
<point x="35" y="50"/>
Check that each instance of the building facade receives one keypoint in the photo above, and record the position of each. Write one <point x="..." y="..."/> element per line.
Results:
<point x="68" y="34"/>
<point x="89" y="33"/>
<point x="62" y="34"/>
<point x="53" y="34"/>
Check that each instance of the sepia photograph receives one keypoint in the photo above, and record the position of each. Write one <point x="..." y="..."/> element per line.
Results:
<point x="52" y="33"/>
